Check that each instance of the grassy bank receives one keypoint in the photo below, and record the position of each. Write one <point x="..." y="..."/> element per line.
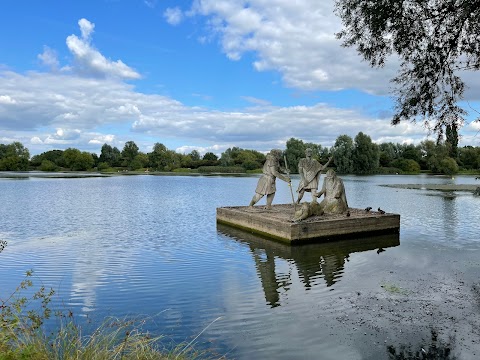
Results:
<point x="24" y="334"/>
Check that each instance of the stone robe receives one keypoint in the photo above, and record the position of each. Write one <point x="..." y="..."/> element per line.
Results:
<point x="335" y="200"/>
<point x="266" y="183"/>
<point x="309" y="170"/>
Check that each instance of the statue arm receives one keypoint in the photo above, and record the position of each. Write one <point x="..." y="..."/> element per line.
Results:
<point x="339" y="189"/>
<point x="328" y="163"/>
<point x="278" y="174"/>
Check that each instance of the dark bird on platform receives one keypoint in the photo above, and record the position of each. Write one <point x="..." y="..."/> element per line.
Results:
<point x="380" y="250"/>
<point x="368" y="209"/>
<point x="348" y="213"/>
<point x="381" y="211"/>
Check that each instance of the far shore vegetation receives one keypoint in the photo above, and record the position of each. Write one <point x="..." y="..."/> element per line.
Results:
<point x="351" y="156"/>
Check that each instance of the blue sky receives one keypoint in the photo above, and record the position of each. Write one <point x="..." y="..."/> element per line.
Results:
<point x="202" y="74"/>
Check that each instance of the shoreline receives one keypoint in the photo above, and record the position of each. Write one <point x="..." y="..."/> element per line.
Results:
<point x="437" y="187"/>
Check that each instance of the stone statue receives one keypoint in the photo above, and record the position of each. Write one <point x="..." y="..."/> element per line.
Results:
<point x="310" y="171"/>
<point x="266" y="183"/>
<point x="335" y="200"/>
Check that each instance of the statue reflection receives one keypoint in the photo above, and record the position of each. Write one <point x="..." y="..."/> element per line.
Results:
<point x="313" y="261"/>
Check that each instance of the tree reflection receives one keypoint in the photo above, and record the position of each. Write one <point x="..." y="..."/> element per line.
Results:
<point x="312" y="261"/>
<point x="433" y="349"/>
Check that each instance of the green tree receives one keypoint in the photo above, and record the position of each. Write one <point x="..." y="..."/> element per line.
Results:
<point x="236" y="156"/>
<point x="129" y="152"/>
<point x="110" y="155"/>
<point x="3" y="150"/>
<point x="141" y="161"/>
<point x="209" y="159"/>
<point x="406" y="165"/>
<point x="469" y="157"/>
<point x="210" y="156"/>
<point x="159" y="157"/>
<point x="195" y="155"/>
<point x="388" y="154"/>
<point x="410" y="151"/>
<point x="55" y="156"/>
<point x="14" y="157"/>
<point x="451" y="135"/>
<point x="435" y="40"/>
<point x="95" y="158"/>
<point x="228" y="157"/>
<point x="294" y="152"/>
<point x="343" y="154"/>
<point x="76" y="160"/>
<point x="434" y="154"/>
<point x="448" y="166"/>
<point x="365" y="155"/>
<point x="48" y="165"/>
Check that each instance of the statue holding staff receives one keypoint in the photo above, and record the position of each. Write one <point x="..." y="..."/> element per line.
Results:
<point x="266" y="183"/>
<point x="310" y="171"/>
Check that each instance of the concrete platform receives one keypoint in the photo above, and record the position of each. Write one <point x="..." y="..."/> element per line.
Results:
<point x="277" y="223"/>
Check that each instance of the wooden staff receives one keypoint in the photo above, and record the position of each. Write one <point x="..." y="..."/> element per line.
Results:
<point x="290" y="183"/>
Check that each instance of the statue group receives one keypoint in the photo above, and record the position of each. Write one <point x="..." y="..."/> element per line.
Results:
<point x="310" y="170"/>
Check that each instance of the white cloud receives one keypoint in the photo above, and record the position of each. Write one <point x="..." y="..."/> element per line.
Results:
<point x="67" y="134"/>
<point x="256" y="101"/>
<point x="36" y="140"/>
<point x="102" y="139"/>
<point x="173" y="16"/>
<point x="216" y="149"/>
<point x="68" y="110"/>
<point x="150" y="3"/>
<point x="89" y="61"/>
<point x="7" y="100"/>
<point x="49" y="58"/>
<point x="86" y="27"/>
<point x="296" y="39"/>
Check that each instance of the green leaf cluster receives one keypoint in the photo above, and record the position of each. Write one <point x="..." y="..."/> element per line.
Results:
<point x="435" y="42"/>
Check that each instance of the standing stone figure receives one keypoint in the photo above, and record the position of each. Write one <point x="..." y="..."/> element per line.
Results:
<point x="310" y="171"/>
<point x="266" y="183"/>
<point x="335" y="200"/>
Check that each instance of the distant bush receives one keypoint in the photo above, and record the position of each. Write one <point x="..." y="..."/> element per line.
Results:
<point x="221" y="169"/>
<point x="406" y="165"/>
<point x="48" y="165"/>
<point x="103" y="166"/>
<point x="448" y="166"/>
<point x="185" y="170"/>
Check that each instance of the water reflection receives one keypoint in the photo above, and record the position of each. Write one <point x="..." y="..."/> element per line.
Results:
<point x="312" y="261"/>
<point x="431" y="349"/>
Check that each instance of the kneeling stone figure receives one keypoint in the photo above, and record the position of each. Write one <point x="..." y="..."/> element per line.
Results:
<point x="334" y="201"/>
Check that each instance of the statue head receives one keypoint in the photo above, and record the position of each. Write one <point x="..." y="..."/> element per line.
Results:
<point x="308" y="152"/>
<point x="276" y="153"/>
<point x="330" y="173"/>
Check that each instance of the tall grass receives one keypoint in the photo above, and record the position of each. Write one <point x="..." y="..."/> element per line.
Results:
<point x="23" y="334"/>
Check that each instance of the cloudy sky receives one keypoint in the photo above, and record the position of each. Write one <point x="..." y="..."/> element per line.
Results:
<point x="201" y="74"/>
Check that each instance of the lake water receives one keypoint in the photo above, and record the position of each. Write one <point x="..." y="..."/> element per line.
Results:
<point x="150" y="246"/>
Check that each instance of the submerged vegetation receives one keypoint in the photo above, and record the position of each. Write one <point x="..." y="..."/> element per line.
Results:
<point x="25" y="333"/>
<point x="351" y="156"/>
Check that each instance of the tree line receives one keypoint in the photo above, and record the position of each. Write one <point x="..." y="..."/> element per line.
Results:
<point x="359" y="155"/>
